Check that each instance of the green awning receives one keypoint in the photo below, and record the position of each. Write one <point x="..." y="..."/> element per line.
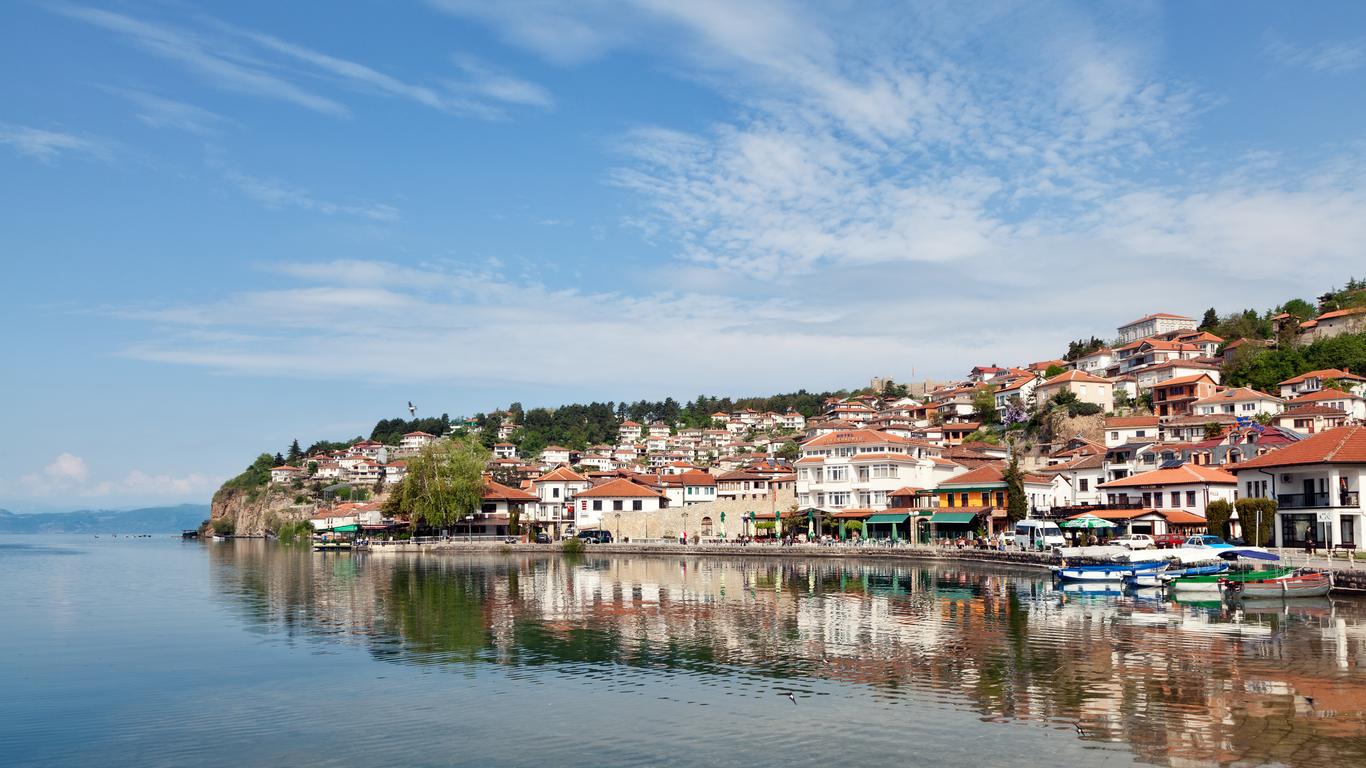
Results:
<point x="957" y="518"/>
<point x="346" y="528"/>
<point x="875" y="519"/>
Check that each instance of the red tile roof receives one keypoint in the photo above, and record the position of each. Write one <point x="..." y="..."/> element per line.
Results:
<point x="854" y="437"/>
<point x="618" y="488"/>
<point x="1344" y="445"/>
<point x="1126" y="422"/>
<point x="1186" y="474"/>
<point x="1081" y="376"/>
<point x="562" y="474"/>
<point x="983" y="475"/>
<point x="1325" y="373"/>
<point x="495" y="491"/>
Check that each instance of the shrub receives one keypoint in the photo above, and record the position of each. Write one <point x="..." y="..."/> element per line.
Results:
<point x="222" y="526"/>
<point x="572" y="546"/>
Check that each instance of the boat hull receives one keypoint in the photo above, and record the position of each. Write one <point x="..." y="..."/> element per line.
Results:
<point x="1307" y="585"/>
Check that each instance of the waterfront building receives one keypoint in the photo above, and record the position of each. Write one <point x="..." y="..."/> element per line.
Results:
<point x="689" y="487"/>
<point x="1189" y="487"/>
<point x="1317" y="484"/>
<point x="860" y="467"/>
<point x="616" y="495"/>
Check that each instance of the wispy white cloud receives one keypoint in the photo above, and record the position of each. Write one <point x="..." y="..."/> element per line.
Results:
<point x="265" y="65"/>
<point x="276" y="194"/>
<point x="160" y="112"/>
<point x="46" y="146"/>
<point x="199" y="55"/>
<point x="1333" y="57"/>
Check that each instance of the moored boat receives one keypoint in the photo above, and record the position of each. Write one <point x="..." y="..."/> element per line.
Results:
<point x="1107" y="571"/>
<point x="1213" y="582"/>
<point x="1299" y="585"/>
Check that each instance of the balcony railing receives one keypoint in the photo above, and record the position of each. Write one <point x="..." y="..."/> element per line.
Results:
<point x="1315" y="500"/>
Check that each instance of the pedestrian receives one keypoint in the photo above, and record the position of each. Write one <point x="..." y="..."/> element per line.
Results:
<point x="1309" y="546"/>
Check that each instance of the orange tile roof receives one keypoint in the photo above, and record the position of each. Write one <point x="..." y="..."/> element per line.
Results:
<point x="1081" y="376"/>
<point x="1325" y="373"/>
<point x="854" y="437"/>
<point x="562" y="474"/>
<point x="1236" y="395"/>
<point x="987" y="473"/>
<point x="1183" y="380"/>
<point x="618" y="488"/>
<point x="495" y="491"/>
<point x="1324" y="394"/>
<point x="1344" y="445"/>
<point x="1341" y="313"/>
<point x="1186" y="474"/>
<point x="1123" y="422"/>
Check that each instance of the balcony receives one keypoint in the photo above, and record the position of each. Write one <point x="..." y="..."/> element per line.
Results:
<point x="1317" y="500"/>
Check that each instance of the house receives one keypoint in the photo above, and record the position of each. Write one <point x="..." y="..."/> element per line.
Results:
<point x="977" y="500"/>
<point x="982" y="373"/>
<point x="792" y="421"/>
<point x="504" y="451"/>
<point x="1079" y="480"/>
<point x="689" y="488"/>
<point x="1148" y="352"/>
<point x="371" y="450"/>
<point x="1019" y="389"/>
<point x="366" y="472"/>
<point x="556" y="490"/>
<point x="1121" y="430"/>
<point x="629" y="431"/>
<point x="1317" y="484"/>
<point x="394" y="472"/>
<point x="746" y="483"/>
<point x="1151" y="325"/>
<point x="956" y="432"/>
<point x="285" y="474"/>
<point x="1313" y="381"/>
<point x="1338" y="322"/>
<point x="1175" y="397"/>
<point x="659" y="429"/>
<point x="553" y="455"/>
<point x="1088" y="388"/>
<point x="1150" y="376"/>
<point x="859" y="467"/>
<point x="1310" y="418"/>
<point x="1238" y="401"/>
<point x="616" y="495"/>
<point x="412" y="442"/>
<point x="1188" y="487"/>
<point x="1350" y="403"/>
<point x="498" y="505"/>
<point x="506" y="429"/>
<point x="1097" y="362"/>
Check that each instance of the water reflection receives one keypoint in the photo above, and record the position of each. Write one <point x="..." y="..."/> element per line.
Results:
<point x="1179" y="683"/>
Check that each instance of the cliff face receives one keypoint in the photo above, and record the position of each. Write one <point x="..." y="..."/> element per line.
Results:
<point x="254" y="510"/>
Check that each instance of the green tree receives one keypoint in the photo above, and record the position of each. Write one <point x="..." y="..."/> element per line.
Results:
<point x="444" y="483"/>
<point x="984" y="405"/>
<point x="1053" y="370"/>
<point x="789" y="450"/>
<point x="1210" y="320"/>
<point x="295" y="452"/>
<point x="1299" y="308"/>
<point x="1217" y="515"/>
<point x="1257" y="518"/>
<point x="1017" y="507"/>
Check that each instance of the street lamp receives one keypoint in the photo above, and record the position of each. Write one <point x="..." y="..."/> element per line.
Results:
<point x="685" y="528"/>
<point x="618" y="514"/>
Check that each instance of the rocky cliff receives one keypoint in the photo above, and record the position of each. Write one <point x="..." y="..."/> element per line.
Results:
<point x="253" y="510"/>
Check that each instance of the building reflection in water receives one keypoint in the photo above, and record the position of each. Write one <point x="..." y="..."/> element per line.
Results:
<point x="1180" y="683"/>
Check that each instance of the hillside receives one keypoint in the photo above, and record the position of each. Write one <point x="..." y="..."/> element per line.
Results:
<point x="144" y="520"/>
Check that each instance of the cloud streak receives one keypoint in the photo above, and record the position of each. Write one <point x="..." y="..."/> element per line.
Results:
<point x="46" y="146"/>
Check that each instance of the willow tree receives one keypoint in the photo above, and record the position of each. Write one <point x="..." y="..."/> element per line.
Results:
<point x="444" y="483"/>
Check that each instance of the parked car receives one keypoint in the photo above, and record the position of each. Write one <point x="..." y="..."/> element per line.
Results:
<point x="1207" y="541"/>
<point x="1169" y="540"/>
<point x="1134" y="541"/>
<point x="596" y="537"/>
<point x="1038" y="534"/>
<point x="542" y="538"/>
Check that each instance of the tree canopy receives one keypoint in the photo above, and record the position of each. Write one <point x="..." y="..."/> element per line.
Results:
<point x="443" y="485"/>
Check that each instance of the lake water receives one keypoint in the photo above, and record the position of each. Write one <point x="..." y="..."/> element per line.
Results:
<point x="146" y="652"/>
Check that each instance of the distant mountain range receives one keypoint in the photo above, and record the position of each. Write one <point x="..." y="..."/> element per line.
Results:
<point x="145" y="520"/>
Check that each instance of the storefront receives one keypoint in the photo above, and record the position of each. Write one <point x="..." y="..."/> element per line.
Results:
<point x="888" y="525"/>
<point x="952" y="525"/>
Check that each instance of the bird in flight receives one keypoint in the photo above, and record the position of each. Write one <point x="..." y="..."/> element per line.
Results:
<point x="791" y="697"/>
<point x="412" y="409"/>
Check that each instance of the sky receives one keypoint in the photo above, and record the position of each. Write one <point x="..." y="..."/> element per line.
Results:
<point x="226" y="226"/>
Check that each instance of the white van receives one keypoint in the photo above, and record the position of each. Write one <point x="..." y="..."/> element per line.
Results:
<point x="1038" y="534"/>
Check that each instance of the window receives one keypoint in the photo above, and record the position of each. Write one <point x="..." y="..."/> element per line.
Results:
<point x="1176" y="498"/>
<point x="837" y="499"/>
<point x="963" y="499"/>
<point x="948" y="497"/>
<point x="1190" y="498"/>
<point x="597" y="505"/>
<point x="1000" y="498"/>
<point x="616" y="505"/>
<point x="1147" y="499"/>
<point x="1084" y="484"/>
<point x="1114" y="435"/>
<point x="554" y="493"/>
<point x="836" y="474"/>
<point x="637" y="505"/>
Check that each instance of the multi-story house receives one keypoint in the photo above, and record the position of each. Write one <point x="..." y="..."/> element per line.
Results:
<point x="556" y="490"/>
<point x="746" y="483"/>
<point x="1151" y="325"/>
<point x="1317" y="484"/>
<point x="658" y="429"/>
<point x="371" y="450"/>
<point x="792" y="421"/>
<point x="1097" y="362"/>
<point x="285" y="474"/>
<point x="1087" y="387"/>
<point x="1188" y="487"/>
<point x="1020" y="388"/>
<point x="597" y="504"/>
<point x="412" y="442"/>
<point x="1310" y="418"/>
<point x="1350" y="403"/>
<point x="1121" y="430"/>
<point x="685" y="489"/>
<point x="860" y="467"/>
<point x="1175" y="397"/>
<point x="1238" y="401"/>
<point x="504" y="451"/>
<point x="978" y="500"/>
<point x="1150" y="376"/>
<point x="629" y="431"/>
<point x="554" y="455"/>
<point x="1338" y="322"/>
<point x="1313" y="381"/>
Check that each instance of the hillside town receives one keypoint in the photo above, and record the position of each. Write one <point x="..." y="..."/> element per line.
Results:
<point x="1141" y="432"/>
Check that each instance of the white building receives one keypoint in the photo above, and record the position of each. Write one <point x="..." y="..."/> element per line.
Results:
<point x="596" y="504"/>
<point x="1313" y="382"/>
<point x="1097" y="362"/>
<point x="285" y="474"/>
<point x="688" y="488"/>
<point x="859" y="468"/>
<point x="1350" y="403"/>
<point x="1317" y="484"/>
<point x="555" y="454"/>
<point x="1239" y="401"/>
<point x="1121" y="430"/>
<point x="556" y="490"/>
<point x="1088" y="388"/>
<point x="395" y="471"/>
<point x="504" y="451"/>
<point x="1151" y="325"/>
<point x="412" y="442"/>
<point x="1189" y="487"/>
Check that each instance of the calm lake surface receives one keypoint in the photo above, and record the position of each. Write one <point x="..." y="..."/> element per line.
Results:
<point x="118" y="651"/>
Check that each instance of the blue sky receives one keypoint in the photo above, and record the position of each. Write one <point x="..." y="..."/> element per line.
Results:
<point x="229" y="225"/>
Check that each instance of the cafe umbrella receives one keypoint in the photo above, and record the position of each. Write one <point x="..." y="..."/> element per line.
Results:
<point x="1086" y="522"/>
